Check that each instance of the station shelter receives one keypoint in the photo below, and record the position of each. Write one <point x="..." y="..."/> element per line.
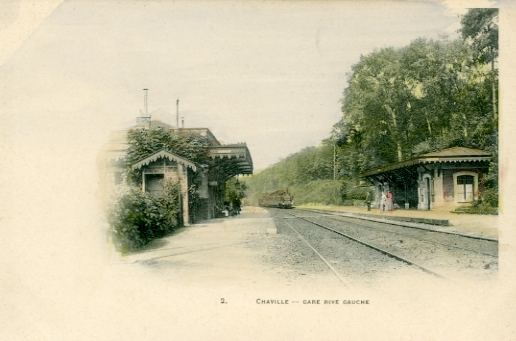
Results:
<point x="197" y="202"/>
<point x="446" y="178"/>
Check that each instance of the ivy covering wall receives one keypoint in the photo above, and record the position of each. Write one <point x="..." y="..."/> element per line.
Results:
<point x="136" y="217"/>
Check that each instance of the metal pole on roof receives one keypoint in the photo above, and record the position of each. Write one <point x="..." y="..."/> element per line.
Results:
<point x="145" y="102"/>
<point x="177" y="114"/>
<point x="146" y="105"/>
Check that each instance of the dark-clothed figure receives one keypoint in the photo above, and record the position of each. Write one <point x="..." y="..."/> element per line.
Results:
<point x="237" y="205"/>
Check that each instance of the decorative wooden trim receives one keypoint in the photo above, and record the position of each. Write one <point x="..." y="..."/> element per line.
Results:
<point x="164" y="154"/>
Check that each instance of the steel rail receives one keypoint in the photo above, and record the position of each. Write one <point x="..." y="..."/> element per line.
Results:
<point x="346" y="283"/>
<point x="387" y="253"/>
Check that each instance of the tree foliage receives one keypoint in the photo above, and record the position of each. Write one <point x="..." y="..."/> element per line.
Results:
<point x="309" y="164"/>
<point x="234" y="189"/>
<point x="426" y="96"/>
<point x="480" y="25"/>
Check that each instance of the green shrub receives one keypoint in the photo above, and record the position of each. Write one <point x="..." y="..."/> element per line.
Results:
<point x="486" y="204"/>
<point x="352" y="189"/>
<point x="480" y="209"/>
<point x="136" y="217"/>
<point x="490" y="197"/>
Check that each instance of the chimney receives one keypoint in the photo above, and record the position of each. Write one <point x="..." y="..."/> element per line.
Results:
<point x="145" y="102"/>
<point x="144" y="116"/>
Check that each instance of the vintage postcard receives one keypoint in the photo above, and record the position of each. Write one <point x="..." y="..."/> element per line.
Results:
<point x="257" y="170"/>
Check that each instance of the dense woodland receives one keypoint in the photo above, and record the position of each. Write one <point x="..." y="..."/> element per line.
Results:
<point x="399" y="103"/>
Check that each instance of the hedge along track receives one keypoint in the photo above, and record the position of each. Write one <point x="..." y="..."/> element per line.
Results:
<point x="328" y="215"/>
<point x="387" y="253"/>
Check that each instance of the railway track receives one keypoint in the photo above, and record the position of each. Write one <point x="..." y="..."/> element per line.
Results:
<point x="364" y="243"/>
<point x="440" y="254"/>
<point x="489" y="246"/>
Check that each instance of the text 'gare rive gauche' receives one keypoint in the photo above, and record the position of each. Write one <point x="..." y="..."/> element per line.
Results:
<point x="311" y="302"/>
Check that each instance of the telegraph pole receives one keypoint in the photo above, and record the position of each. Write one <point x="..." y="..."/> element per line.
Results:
<point x="334" y="158"/>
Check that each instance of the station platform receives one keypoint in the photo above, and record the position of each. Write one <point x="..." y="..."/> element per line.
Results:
<point x="475" y="225"/>
<point x="227" y="254"/>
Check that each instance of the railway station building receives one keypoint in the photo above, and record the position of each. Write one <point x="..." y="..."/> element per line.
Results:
<point x="225" y="161"/>
<point x="442" y="179"/>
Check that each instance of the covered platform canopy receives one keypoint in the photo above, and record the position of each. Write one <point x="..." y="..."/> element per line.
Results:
<point x="455" y="154"/>
<point x="229" y="159"/>
<point x="448" y="176"/>
<point x="232" y="159"/>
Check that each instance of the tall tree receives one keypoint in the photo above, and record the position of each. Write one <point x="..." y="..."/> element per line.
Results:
<point x="480" y="26"/>
<point x="480" y="29"/>
<point x="372" y="115"/>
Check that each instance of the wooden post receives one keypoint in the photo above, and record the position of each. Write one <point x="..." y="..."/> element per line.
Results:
<point x="143" y="181"/>
<point x="183" y="185"/>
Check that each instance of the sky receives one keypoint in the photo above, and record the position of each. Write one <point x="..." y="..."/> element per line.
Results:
<point x="268" y="74"/>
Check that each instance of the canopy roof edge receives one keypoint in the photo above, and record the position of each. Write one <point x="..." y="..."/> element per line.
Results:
<point x="167" y="155"/>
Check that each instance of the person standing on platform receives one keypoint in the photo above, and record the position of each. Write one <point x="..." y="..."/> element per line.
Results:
<point x="237" y="204"/>
<point x="383" y="202"/>
<point x="388" y="201"/>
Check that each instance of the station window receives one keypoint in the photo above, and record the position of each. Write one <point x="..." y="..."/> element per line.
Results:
<point x="154" y="183"/>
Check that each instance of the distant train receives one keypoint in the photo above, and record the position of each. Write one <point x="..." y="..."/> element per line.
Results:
<point x="279" y="199"/>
